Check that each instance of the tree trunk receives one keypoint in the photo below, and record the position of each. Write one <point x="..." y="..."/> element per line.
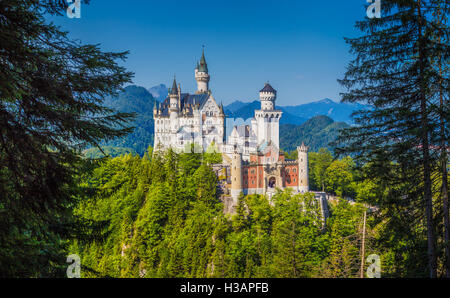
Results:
<point x="293" y="251"/>
<point x="431" y="252"/>
<point x="445" y="204"/>
<point x="363" y="246"/>
<point x="443" y="144"/>
<point x="444" y="176"/>
<point x="427" y="194"/>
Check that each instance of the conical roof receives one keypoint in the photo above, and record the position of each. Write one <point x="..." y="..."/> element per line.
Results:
<point x="174" y="90"/>
<point x="268" y="88"/>
<point x="202" y="66"/>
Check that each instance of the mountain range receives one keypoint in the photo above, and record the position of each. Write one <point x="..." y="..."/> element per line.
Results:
<point x="159" y="92"/>
<point x="300" y="113"/>
<point x="297" y="114"/>
<point x="138" y="100"/>
<point x="313" y="123"/>
<point x="246" y="111"/>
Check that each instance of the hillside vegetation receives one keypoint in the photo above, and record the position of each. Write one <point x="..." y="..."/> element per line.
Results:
<point x="161" y="216"/>
<point x="317" y="132"/>
<point x="138" y="100"/>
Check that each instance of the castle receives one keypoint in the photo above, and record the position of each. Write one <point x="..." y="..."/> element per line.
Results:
<point x="252" y="162"/>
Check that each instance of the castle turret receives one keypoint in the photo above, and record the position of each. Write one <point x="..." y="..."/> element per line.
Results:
<point x="267" y="95"/>
<point x="268" y="119"/>
<point x="174" y="99"/>
<point x="201" y="75"/>
<point x="155" y="109"/>
<point x="236" y="174"/>
<point x="303" y="180"/>
<point x="173" y="96"/>
<point x="222" y="121"/>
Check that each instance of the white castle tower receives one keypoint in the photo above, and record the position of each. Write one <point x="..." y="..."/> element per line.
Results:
<point x="268" y="119"/>
<point x="236" y="175"/>
<point x="201" y="75"/>
<point x="303" y="182"/>
<point x="174" y="97"/>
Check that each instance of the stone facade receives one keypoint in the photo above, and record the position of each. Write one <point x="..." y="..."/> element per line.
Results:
<point x="252" y="161"/>
<point x="265" y="171"/>
<point x="184" y="119"/>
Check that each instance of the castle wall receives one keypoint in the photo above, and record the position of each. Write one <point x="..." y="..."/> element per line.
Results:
<point x="291" y="175"/>
<point x="253" y="177"/>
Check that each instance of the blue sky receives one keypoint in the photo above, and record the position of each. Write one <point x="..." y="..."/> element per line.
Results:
<point x="297" y="45"/>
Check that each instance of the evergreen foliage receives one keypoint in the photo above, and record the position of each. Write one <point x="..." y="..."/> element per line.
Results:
<point x="402" y="141"/>
<point x="51" y="96"/>
<point x="162" y="217"/>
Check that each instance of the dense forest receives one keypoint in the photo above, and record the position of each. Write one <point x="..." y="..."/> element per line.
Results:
<point x="160" y="216"/>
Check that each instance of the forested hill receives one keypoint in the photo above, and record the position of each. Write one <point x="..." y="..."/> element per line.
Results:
<point x="317" y="132"/>
<point x="161" y="218"/>
<point x="247" y="111"/>
<point x="134" y="99"/>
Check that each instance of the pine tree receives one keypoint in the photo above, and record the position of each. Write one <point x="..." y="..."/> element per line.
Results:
<point x="240" y="218"/>
<point x="440" y="61"/>
<point x="51" y="95"/>
<point x="392" y="71"/>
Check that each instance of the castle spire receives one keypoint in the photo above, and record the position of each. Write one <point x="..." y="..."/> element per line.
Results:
<point x="201" y="75"/>
<point x="174" y="98"/>
<point x="203" y="67"/>
<point x="174" y="90"/>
